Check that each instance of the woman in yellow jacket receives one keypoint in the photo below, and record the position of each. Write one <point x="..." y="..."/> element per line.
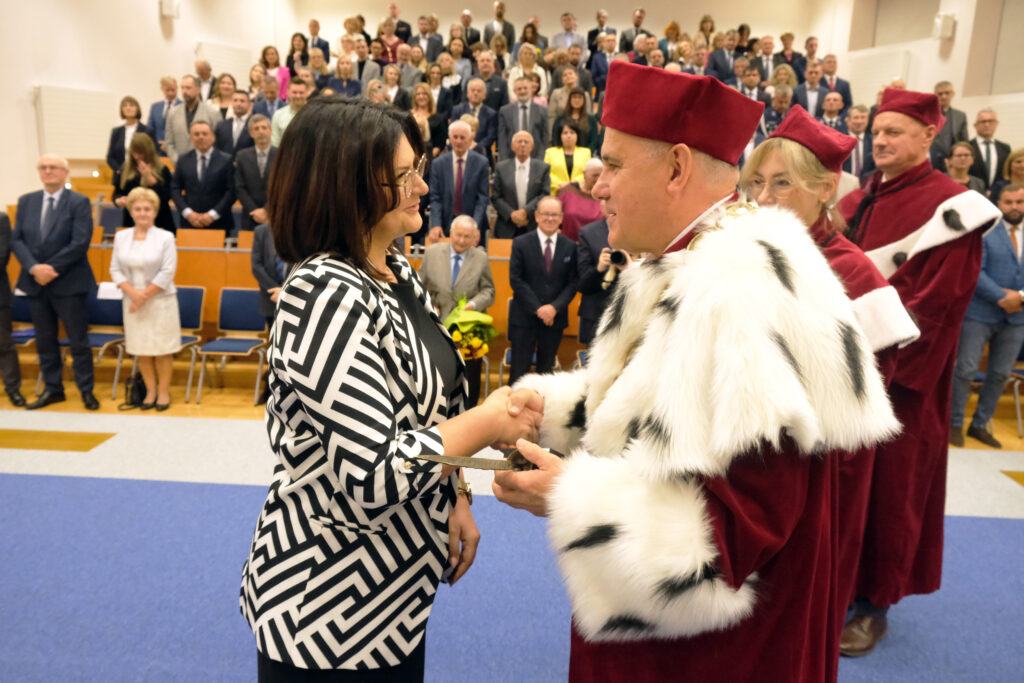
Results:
<point x="568" y="160"/>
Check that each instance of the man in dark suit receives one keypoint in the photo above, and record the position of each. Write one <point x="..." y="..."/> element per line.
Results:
<point x="595" y="262"/>
<point x="499" y="25"/>
<point x="471" y="34"/>
<point x="628" y="36"/>
<point x="315" y="41"/>
<point x="271" y="103"/>
<point x="811" y="93"/>
<point x="543" y="273"/>
<point x="787" y="55"/>
<point x="830" y="80"/>
<point x="430" y="43"/>
<point x="697" y="68"/>
<point x="861" y="161"/>
<point x="116" y="149"/>
<point x="268" y="269"/>
<point x="720" y="65"/>
<point x="584" y="79"/>
<point x="519" y="184"/>
<point x="497" y="88"/>
<point x="831" y="116"/>
<point x="51" y="240"/>
<point x="989" y="154"/>
<point x="402" y="28"/>
<point x="252" y="169"/>
<point x="232" y="135"/>
<point x="953" y="130"/>
<point x="447" y="198"/>
<point x="592" y="35"/>
<point x="523" y="114"/>
<point x="203" y="183"/>
<point x="751" y="85"/>
<point x="207" y="82"/>
<point x="765" y="60"/>
<point x="487" y="131"/>
<point x="159" y="110"/>
<point x="601" y="59"/>
<point x="10" y="369"/>
<point x="410" y="74"/>
<point x="994" y="318"/>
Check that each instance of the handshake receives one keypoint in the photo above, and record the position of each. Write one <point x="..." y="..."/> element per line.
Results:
<point x="514" y="414"/>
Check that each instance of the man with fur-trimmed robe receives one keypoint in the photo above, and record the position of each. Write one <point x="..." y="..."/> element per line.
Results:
<point x="694" y="517"/>
<point x="923" y="231"/>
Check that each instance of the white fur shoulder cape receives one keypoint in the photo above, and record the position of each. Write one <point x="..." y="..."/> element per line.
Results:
<point x="701" y="356"/>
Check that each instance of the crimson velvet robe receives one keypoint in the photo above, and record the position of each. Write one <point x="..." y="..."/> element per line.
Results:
<point x="903" y="538"/>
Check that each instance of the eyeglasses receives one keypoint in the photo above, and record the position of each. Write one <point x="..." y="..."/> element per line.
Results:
<point x="778" y="188"/>
<point x="548" y="215"/>
<point x="405" y="181"/>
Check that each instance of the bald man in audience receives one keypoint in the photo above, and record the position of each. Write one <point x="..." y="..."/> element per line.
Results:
<point x="519" y="184"/>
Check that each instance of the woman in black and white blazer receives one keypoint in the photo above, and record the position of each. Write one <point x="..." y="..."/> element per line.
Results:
<point x="356" y="532"/>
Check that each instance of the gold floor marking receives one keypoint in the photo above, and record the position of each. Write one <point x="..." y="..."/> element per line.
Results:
<point x="1016" y="476"/>
<point x="40" y="440"/>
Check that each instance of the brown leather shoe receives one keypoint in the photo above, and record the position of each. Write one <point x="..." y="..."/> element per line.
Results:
<point x="861" y="634"/>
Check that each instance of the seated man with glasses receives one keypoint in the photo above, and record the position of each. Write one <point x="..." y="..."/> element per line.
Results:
<point x="543" y="273"/>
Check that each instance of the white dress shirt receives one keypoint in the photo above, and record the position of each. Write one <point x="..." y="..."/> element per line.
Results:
<point x="522" y="181"/>
<point x="812" y="100"/>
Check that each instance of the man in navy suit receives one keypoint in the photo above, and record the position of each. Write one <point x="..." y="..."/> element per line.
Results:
<point x="497" y="88"/>
<point x="861" y="161"/>
<point x="989" y="154"/>
<point x="447" y="198"/>
<point x="203" y="183"/>
<point x="994" y="317"/>
<point x="829" y="65"/>
<point x="831" y="114"/>
<point x="51" y="240"/>
<point x="697" y="68"/>
<point x="811" y="93"/>
<point x="751" y="85"/>
<point x="271" y="103"/>
<point x="722" y="60"/>
<point x="487" y="132"/>
<point x="601" y="59"/>
<point x="543" y="273"/>
<point x="430" y="43"/>
<point x="593" y="34"/>
<point x="232" y="135"/>
<point x="316" y="41"/>
<point x="158" y="111"/>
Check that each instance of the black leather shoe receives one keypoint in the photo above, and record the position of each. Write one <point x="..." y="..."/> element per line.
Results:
<point x="46" y="398"/>
<point x="983" y="436"/>
<point x="161" y="407"/>
<point x="956" y="437"/>
<point x="147" y="406"/>
<point x="16" y="398"/>
<point x="90" y="401"/>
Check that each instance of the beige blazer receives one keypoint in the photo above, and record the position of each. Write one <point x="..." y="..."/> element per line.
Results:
<point x="475" y="281"/>
<point x="176" y="132"/>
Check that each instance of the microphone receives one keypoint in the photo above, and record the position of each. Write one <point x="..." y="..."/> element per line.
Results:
<point x="618" y="261"/>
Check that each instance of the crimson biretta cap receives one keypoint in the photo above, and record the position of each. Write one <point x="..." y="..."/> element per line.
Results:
<point x="826" y="143"/>
<point x="921" y="106"/>
<point x="698" y="111"/>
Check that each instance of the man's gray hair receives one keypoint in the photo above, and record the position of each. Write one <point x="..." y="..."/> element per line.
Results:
<point x="785" y="90"/>
<point x="256" y="118"/>
<point x="464" y="221"/>
<point x="592" y="164"/>
<point x="459" y="123"/>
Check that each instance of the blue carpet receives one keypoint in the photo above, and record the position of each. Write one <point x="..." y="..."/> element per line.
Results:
<point x="121" y="580"/>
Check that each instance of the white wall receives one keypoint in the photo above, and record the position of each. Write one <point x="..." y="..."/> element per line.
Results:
<point x="118" y="46"/>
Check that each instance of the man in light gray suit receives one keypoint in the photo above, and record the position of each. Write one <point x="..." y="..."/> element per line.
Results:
<point x="456" y="269"/>
<point x="364" y="68"/>
<point x="410" y="74"/>
<point x="953" y="131"/>
<point x="519" y="184"/>
<point x="523" y="114"/>
<point x="182" y="116"/>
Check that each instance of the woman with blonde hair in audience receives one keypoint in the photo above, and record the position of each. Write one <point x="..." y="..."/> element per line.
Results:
<point x="526" y="65"/>
<point x="377" y="92"/>
<point x="705" y="28"/>
<point x="684" y="53"/>
<point x="432" y="125"/>
<point x="460" y="56"/>
<point x="444" y="98"/>
<point x="578" y="111"/>
<point x="499" y="48"/>
<point x="559" y="99"/>
<point x="717" y="42"/>
<point x="223" y="90"/>
<point x="958" y="167"/>
<point x="397" y="95"/>
<point x="667" y="45"/>
<point x="566" y="159"/>
<point x="456" y="31"/>
<point x="142" y="265"/>
<point x="271" y="61"/>
<point x="318" y="65"/>
<point x="388" y="39"/>
<point x="450" y="78"/>
<point x="346" y="46"/>
<point x="528" y="36"/>
<point x="121" y="136"/>
<point x="783" y="74"/>
<point x="343" y="81"/>
<point x="298" y="55"/>
<point x="143" y="168"/>
<point x="256" y="75"/>
<point x="1012" y="174"/>
<point x="579" y="206"/>
<point x="418" y="59"/>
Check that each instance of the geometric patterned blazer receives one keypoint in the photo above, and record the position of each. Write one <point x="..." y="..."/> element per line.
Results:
<point x="350" y="544"/>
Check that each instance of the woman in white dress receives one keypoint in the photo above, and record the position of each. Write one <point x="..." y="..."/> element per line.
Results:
<point x="142" y="266"/>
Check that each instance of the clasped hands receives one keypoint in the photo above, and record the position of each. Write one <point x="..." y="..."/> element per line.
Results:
<point x="1011" y="303"/>
<point x="199" y="220"/>
<point x="43" y="273"/>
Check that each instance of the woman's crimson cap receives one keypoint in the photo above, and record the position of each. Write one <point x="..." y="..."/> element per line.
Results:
<point x="826" y="143"/>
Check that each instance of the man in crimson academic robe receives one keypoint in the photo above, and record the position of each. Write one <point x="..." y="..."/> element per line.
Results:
<point x="693" y="517"/>
<point x="923" y="231"/>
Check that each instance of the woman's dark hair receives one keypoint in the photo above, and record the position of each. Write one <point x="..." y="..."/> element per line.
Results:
<point x="305" y="45"/>
<point x="582" y="124"/>
<point x="571" y="125"/>
<point x="533" y="34"/>
<point x="333" y="178"/>
<point x="128" y="99"/>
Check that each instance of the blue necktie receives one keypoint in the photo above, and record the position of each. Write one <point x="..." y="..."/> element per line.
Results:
<point x="456" y="268"/>
<point x="282" y="269"/>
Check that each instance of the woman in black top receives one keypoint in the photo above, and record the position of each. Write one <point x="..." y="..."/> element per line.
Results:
<point x="298" y="55"/>
<point x="143" y="168"/>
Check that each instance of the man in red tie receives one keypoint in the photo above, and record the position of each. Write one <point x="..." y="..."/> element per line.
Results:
<point x="693" y="520"/>
<point x="459" y="184"/>
<point x="924" y="233"/>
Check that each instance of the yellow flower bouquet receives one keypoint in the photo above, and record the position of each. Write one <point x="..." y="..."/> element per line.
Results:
<point x="471" y="331"/>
